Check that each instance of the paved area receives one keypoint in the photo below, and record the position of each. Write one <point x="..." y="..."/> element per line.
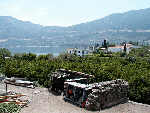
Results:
<point x="41" y="101"/>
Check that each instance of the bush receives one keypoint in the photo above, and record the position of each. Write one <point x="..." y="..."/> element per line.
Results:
<point x="134" y="69"/>
<point x="9" y="108"/>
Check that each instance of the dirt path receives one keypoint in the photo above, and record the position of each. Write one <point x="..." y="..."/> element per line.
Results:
<point x="44" y="102"/>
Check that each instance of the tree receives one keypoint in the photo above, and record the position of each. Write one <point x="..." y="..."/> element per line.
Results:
<point x="4" y="52"/>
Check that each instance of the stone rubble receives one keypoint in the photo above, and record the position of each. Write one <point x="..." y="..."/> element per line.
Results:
<point x="107" y="94"/>
<point x="101" y="95"/>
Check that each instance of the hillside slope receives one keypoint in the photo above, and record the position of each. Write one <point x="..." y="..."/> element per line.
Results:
<point x="19" y="35"/>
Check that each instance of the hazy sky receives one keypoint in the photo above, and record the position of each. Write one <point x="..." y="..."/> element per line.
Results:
<point x="66" y="12"/>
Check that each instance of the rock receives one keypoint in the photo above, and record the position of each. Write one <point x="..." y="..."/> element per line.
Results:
<point x="109" y="93"/>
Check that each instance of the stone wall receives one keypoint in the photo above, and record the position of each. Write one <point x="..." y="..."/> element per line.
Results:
<point x="61" y="75"/>
<point x="102" y="95"/>
<point x="107" y="94"/>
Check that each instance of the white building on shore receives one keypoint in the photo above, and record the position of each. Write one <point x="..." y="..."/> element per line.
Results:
<point x="78" y="52"/>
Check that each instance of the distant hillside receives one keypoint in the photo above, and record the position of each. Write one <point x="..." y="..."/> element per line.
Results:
<point x="137" y="19"/>
<point x="25" y="36"/>
<point x="11" y="27"/>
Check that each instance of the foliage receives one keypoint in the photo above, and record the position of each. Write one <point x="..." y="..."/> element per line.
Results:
<point x="132" y="68"/>
<point x="4" y="52"/>
<point x="45" y="57"/>
<point x="25" y="56"/>
<point x="9" y="108"/>
<point x="141" y="52"/>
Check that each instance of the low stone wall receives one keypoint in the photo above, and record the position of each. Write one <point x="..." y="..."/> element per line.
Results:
<point x="61" y="75"/>
<point x="102" y="95"/>
<point x="107" y="94"/>
<point x="69" y="74"/>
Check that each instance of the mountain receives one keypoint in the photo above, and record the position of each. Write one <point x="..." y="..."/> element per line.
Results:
<point x="23" y="36"/>
<point x="11" y="27"/>
<point x="137" y="19"/>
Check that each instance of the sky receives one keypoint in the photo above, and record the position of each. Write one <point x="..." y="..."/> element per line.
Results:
<point x="66" y="12"/>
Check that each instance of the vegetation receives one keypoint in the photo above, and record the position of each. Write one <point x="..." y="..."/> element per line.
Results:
<point x="134" y="67"/>
<point x="9" y="108"/>
<point x="5" y="52"/>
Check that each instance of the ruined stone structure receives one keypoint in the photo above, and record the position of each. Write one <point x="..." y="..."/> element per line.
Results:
<point x="107" y="94"/>
<point x="92" y="96"/>
<point x="61" y="75"/>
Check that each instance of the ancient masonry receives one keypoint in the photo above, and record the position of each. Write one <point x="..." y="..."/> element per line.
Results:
<point x="107" y="94"/>
<point x="77" y="89"/>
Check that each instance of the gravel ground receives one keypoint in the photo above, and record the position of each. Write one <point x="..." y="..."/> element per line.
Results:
<point x="41" y="101"/>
